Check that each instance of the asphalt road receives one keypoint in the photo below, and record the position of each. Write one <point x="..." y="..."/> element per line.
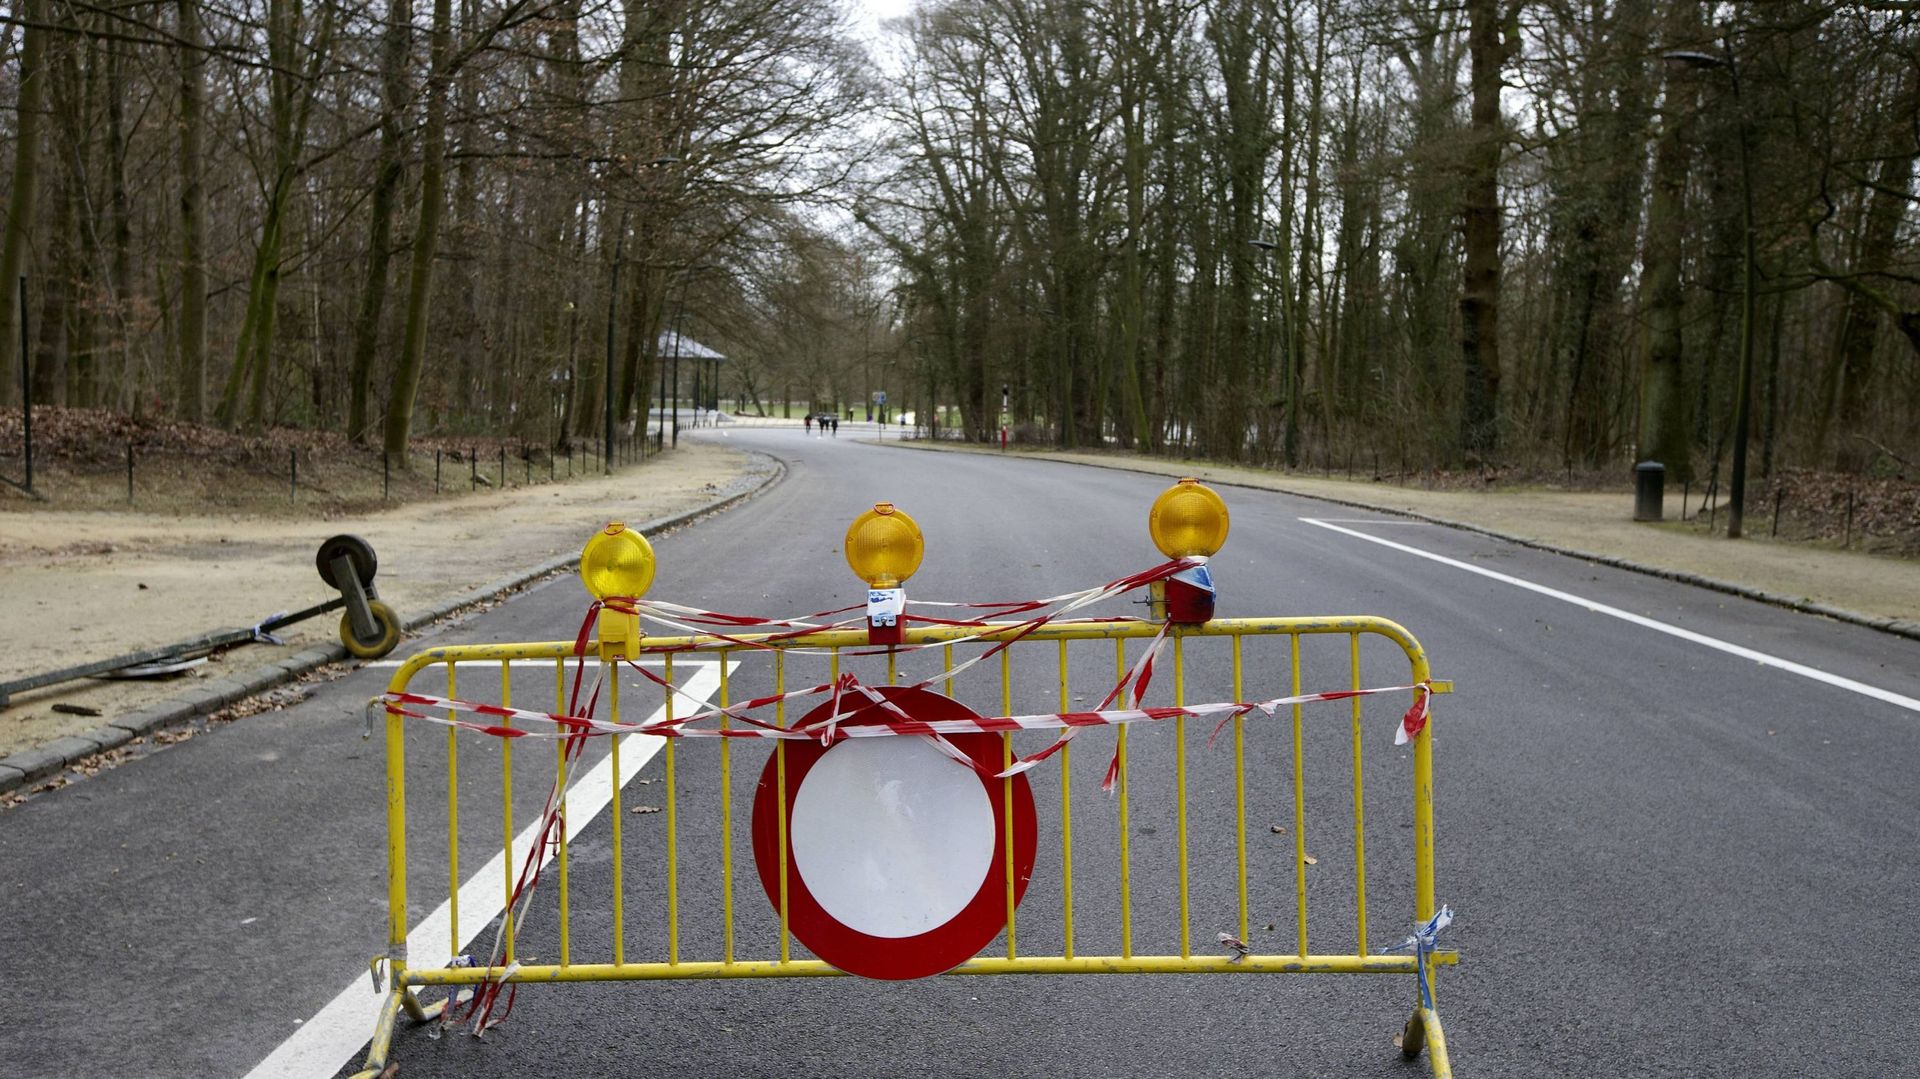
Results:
<point x="1668" y="858"/>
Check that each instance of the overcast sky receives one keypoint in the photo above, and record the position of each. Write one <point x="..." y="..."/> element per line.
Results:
<point x="870" y="12"/>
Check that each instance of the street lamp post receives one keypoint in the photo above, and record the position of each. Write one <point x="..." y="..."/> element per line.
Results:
<point x="676" y="371"/>
<point x="1743" y="382"/>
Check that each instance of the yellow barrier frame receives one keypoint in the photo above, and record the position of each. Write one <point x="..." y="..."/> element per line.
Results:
<point x="1423" y="1029"/>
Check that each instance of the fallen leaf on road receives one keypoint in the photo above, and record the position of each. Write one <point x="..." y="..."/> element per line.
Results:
<point x="66" y="709"/>
<point x="1276" y="829"/>
<point x="1310" y="859"/>
<point x="646" y="809"/>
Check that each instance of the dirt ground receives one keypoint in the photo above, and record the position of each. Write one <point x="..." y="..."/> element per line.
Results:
<point x="89" y="584"/>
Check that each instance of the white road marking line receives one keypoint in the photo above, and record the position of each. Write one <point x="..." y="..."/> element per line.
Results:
<point x="335" y="1035"/>
<point x="1371" y="521"/>
<point x="1596" y="607"/>
<point x="543" y="663"/>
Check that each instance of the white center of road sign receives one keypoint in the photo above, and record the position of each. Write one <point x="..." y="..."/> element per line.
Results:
<point x="892" y="836"/>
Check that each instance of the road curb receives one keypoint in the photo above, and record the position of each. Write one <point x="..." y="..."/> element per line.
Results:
<point x="1899" y="627"/>
<point x="32" y="765"/>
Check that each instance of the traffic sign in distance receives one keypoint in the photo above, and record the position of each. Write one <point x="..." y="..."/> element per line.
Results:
<point x="897" y="860"/>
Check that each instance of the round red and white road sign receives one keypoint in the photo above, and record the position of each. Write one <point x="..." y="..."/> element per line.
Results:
<point x="896" y="862"/>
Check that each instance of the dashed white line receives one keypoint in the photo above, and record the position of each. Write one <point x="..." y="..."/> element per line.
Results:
<point x="329" y="1041"/>
<point x="1654" y="624"/>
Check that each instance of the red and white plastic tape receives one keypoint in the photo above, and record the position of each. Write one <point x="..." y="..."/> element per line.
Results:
<point x="559" y="725"/>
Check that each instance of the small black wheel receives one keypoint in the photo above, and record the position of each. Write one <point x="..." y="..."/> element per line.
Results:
<point x="382" y="642"/>
<point x="358" y="551"/>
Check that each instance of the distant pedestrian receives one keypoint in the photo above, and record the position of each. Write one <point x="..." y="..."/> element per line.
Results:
<point x="836" y="426"/>
<point x="808" y="420"/>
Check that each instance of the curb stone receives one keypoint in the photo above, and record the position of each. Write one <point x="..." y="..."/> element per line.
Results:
<point x="31" y="765"/>
<point x="1899" y="627"/>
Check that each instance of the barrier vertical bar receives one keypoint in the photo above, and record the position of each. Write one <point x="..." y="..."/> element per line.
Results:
<point x="780" y="793"/>
<point x="396" y="843"/>
<point x="453" y="826"/>
<point x="673" y="830"/>
<point x="619" y="859"/>
<point x="1240" y="791"/>
<point x="506" y="807"/>
<point x="1359" y="802"/>
<point x="1126" y="862"/>
<point x="1066" y="809"/>
<point x="560" y="846"/>
<point x="726" y="816"/>
<point x="1299" y="802"/>
<point x="1423" y="804"/>
<point x="1180" y="788"/>
<point x="1006" y="791"/>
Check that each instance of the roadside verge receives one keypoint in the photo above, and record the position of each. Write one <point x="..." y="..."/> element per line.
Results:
<point x="1867" y="590"/>
<point x="34" y="765"/>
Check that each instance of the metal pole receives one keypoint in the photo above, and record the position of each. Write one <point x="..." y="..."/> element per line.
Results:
<point x="293" y="475"/>
<point x="436" y="471"/>
<point x="129" y="472"/>
<point x="663" y="378"/>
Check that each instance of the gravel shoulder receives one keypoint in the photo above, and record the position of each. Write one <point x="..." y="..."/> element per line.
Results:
<point x="84" y="585"/>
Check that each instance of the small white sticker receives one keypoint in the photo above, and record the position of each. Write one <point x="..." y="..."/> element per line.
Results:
<point x="885" y="605"/>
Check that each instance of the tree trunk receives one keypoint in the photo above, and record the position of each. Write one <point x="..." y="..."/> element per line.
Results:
<point x="1480" y="286"/>
<point x="433" y="194"/>
<point x="26" y="157"/>
<point x="191" y="384"/>
<point x="386" y="190"/>
<point x="1663" y="397"/>
<point x="120" y="229"/>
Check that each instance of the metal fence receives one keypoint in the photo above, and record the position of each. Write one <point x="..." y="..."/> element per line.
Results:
<point x="1151" y="912"/>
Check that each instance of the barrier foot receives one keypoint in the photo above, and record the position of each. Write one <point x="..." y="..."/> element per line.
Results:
<point x="401" y="997"/>
<point x="1423" y="1031"/>
<point x="423" y="1013"/>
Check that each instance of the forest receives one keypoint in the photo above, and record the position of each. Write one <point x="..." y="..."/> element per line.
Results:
<point x="1558" y="235"/>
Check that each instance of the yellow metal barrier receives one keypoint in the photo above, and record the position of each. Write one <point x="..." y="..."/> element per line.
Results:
<point x="1264" y="656"/>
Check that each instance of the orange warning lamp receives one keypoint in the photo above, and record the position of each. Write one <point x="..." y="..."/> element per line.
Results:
<point x="1188" y="521"/>
<point x="884" y="547"/>
<point x="616" y="564"/>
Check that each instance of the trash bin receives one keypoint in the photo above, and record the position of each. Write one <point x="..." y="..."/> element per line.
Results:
<point x="1649" y="490"/>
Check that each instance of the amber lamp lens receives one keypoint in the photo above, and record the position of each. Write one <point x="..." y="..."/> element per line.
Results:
<point x="1188" y="520"/>
<point x="617" y="561"/>
<point x="884" y="546"/>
